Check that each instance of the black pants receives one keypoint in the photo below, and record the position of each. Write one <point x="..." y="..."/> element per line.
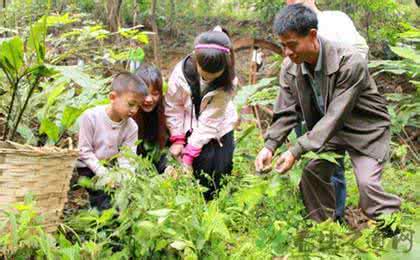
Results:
<point x="216" y="161"/>
<point x="97" y="198"/>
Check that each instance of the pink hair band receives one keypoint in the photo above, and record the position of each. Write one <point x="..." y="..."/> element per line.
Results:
<point x="212" y="46"/>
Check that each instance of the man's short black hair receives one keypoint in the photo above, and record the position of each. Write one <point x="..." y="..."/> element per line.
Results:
<point x="295" y="18"/>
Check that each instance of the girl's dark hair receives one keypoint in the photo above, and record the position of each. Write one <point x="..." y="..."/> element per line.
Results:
<point x="152" y="125"/>
<point x="214" y="60"/>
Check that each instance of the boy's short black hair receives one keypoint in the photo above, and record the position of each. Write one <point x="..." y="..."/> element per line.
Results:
<point x="296" y="18"/>
<point x="126" y="81"/>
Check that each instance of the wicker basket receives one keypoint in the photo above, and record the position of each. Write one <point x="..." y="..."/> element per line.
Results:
<point x="45" y="172"/>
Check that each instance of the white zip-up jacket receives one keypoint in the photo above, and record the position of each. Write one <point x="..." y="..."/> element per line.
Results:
<point x="217" y="111"/>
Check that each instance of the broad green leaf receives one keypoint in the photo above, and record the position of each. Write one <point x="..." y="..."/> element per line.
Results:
<point x="214" y="223"/>
<point x="165" y="87"/>
<point x="36" y="41"/>
<point x="11" y="55"/>
<point x="161" y="244"/>
<point x="139" y="36"/>
<point x="407" y="53"/>
<point x="189" y="254"/>
<point x="74" y="73"/>
<point x="60" y="20"/>
<point x="181" y="200"/>
<point x="159" y="212"/>
<point x="178" y="245"/>
<point x="249" y="196"/>
<point x="54" y="94"/>
<point x="27" y="134"/>
<point x="91" y="247"/>
<point x="119" y="56"/>
<point x="22" y="207"/>
<point x="368" y="256"/>
<point x="147" y="225"/>
<point x="246" y="92"/>
<point x="106" y="216"/>
<point x="40" y="70"/>
<point x="50" y="129"/>
<point x="74" y="32"/>
<point x="243" y="94"/>
<point x="63" y="242"/>
<point x="70" y="252"/>
<point x="136" y="55"/>
<point x="413" y="33"/>
<point x="328" y="156"/>
<point x="417" y="84"/>
<point x="85" y="182"/>
<point x="70" y="115"/>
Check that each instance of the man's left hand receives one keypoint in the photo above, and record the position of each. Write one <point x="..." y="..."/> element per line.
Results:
<point x="285" y="162"/>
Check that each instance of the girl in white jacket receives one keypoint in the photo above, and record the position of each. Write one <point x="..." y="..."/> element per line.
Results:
<point x="199" y="109"/>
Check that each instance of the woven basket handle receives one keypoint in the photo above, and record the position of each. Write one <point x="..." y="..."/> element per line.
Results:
<point x="70" y="143"/>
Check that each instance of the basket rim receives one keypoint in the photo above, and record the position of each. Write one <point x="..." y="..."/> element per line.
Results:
<point x="15" y="148"/>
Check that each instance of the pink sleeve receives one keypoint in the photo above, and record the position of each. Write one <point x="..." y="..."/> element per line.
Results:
<point x="174" y="101"/>
<point x="190" y="152"/>
<point x="177" y="139"/>
<point x="86" y="145"/>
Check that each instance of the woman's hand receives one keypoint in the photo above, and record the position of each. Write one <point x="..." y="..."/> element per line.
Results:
<point x="176" y="151"/>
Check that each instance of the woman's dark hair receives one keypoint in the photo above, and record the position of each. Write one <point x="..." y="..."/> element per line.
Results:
<point x="213" y="60"/>
<point x="152" y="125"/>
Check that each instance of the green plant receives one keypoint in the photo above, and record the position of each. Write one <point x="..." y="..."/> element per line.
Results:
<point x="22" y="232"/>
<point x="378" y="21"/>
<point x="59" y="105"/>
<point x="59" y="95"/>
<point x="255" y="217"/>
<point x="405" y="107"/>
<point x="23" y="71"/>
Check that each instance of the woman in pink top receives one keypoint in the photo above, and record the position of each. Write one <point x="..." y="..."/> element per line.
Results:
<point x="199" y="109"/>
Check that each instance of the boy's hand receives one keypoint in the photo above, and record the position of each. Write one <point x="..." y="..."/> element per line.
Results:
<point x="101" y="171"/>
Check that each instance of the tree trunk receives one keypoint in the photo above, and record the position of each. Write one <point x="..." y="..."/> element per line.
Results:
<point x="135" y="7"/>
<point x="368" y="17"/>
<point x="113" y="7"/>
<point x="156" y="33"/>
<point x="172" y="17"/>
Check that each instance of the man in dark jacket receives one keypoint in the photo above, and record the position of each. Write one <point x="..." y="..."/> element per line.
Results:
<point x="329" y="86"/>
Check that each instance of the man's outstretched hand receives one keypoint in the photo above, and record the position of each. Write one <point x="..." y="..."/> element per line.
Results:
<point x="263" y="160"/>
<point x="285" y="162"/>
